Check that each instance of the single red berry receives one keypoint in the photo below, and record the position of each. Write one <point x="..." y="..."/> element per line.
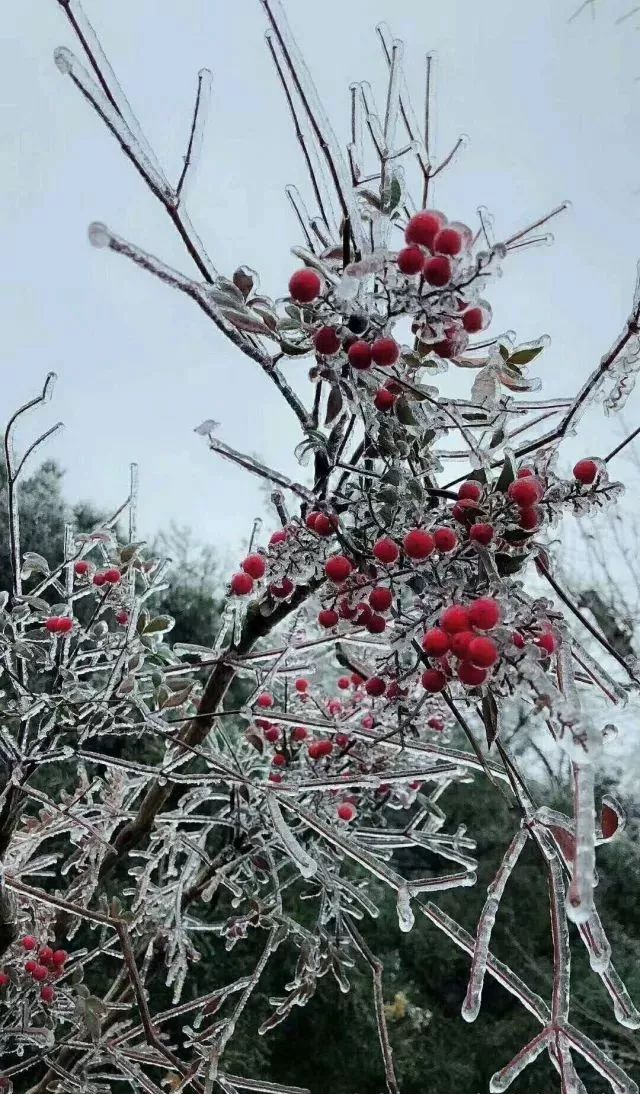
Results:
<point x="272" y="734"/>
<point x="47" y="993"/>
<point x="359" y="354"/>
<point x="45" y="955"/>
<point x="436" y="642"/>
<point x="279" y="537"/>
<point x="357" y="679"/>
<point x="328" y="618"/>
<point x="81" y="567"/>
<point x="30" y="967"/>
<point x="302" y="685"/>
<point x="304" y="285"/>
<point x="279" y="760"/>
<point x="311" y="518"/>
<point x="255" y="566"/>
<point x="433" y="680"/>
<point x="482" y="652"/>
<point x="437" y="271"/>
<point x="344" y="683"/>
<point x="410" y="261"/>
<point x="380" y="599"/>
<point x="40" y="973"/>
<point x="436" y="723"/>
<point x="386" y="551"/>
<point x="546" y="641"/>
<point x="325" y="525"/>
<point x="4" y="979"/>
<point x="275" y="777"/>
<point x="471" y="675"/>
<point x="346" y="811"/>
<point x="470" y="490"/>
<point x="345" y="609"/>
<point x="585" y="471"/>
<point x="423" y="228"/>
<point x="383" y="399"/>
<point x="265" y="700"/>
<point x="60" y="957"/>
<point x="445" y="539"/>
<point x="65" y="624"/>
<point x="484" y="613"/>
<point x="338" y="569"/>
<point x="454" y="619"/>
<point x="241" y="584"/>
<point x="314" y="750"/>
<point x="473" y="320"/>
<point x="448" y="242"/>
<point x="122" y="617"/>
<point x="529" y="518"/>
<point x="376" y="624"/>
<point x="518" y="640"/>
<point x="465" y="511"/>
<point x="364" y="613"/>
<point x="29" y="942"/>
<point x="375" y="686"/>
<point x="481" y="533"/>
<point x="460" y="643"/>
<point x="525" y="492"/>
<point x="112" y="576"/>
<point x="418" y="544"/>
<point x="385" y="352"/>
<point x="99" y="579"/>
<point x="342" y="740"/>
<point x="326" y="341"/>
<point x="524" y="472"/>
<point x="52" y="624"/>
<point x="284" y="589"/>
<point x="298" y="733"/>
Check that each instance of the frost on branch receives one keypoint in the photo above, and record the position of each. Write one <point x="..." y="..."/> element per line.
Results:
<point x="162" y="799"/>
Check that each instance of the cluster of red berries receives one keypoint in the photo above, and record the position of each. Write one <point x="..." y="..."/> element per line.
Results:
<point x="59" y="624"/>
<point x="461" y="635"/>
<point x="431" y="245"/>
<point x="46" y="964"/>
<point x="111" y="576"/>
<point x="253" y="568"/>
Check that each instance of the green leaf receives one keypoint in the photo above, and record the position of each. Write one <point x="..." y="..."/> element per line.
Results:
<point x="509" y="564"/>
<point x="334" y="404"/>
<point x="160" y="624"/>
<point x="404" y="413"/>
<point x="490" y="718"/>
<point x="523" y="356"/>
<point x="504" y="352"/>
<point x="507" y="475"/>
<point x="130" y="551"/>
<point x="392" y="196"/>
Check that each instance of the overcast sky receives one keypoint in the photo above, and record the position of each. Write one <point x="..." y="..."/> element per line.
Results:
<point x="552" y="110"/>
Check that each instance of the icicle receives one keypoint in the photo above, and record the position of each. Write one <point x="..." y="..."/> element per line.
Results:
<point x="503" y="1079"/>
<point x="194" y="147"/>
<point x="307" y="866"/>
<point x="580" y="902"/>
<point x="406" y="918"/>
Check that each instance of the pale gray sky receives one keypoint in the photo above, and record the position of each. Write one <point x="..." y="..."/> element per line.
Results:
<point x="552" y="111"/>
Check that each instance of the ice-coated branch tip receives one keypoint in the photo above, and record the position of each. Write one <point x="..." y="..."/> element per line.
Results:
<point x="63" y="60"/>
<point x="99" y="234"/>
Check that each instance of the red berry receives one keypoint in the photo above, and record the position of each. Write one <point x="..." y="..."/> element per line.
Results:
<point x="342" y="740"/>
<point x="81" y="567"/>
<point x="272" y="734"/>
<point x="433" y="680"/>
<point x="529" y="519"/>
<point x="279" y="760"/>
<point x="45" y="955"/>
<point x="445" y="539"/>
<point x="410" y="261"/>
<point x="518" y="640"/>
<point x="437" y="271"/>
<point x="326" y="748"/>
<point x="524" y="472"/>
<point x="29" y="942"/>
<point x="546" y="641"/>
<point x="298" y="733"/>
<point x="473" y="320"/>
<point x="314" y="750"/>
<point x="525" y="492"/>
<point x="385" y="352"/>
<point x="585" y="471"/>
<point x="376" y="624"/>
<point x="423" y="228"/>
<point x="304" y="286"/>
<point x="311" y="518"/>
<point x="338" y="569"/>
<point x="380" y="599"/>
<point x="47" y="993"/>
<point x="284" y="589"/>
<point x="460" y="643"/>
<point x="241" y="584"/>
<point x="4" y="979"/>
<point x="383" y="399"/>
<point x="465" y="511"/>
<point x="454" y="619"/>
<point x="99" y="579"/>
<point x="484" y="613"/>
<point x="255" y="566"/>
<point x="356" y="679"/>
<point x="471" y="675"/>
<point x="481" y="533"/>
<point x="324" y="525"/>
<point x="470" y="490"/>
<point x="482" y="652"/>
<point x="359" y="354"/>
<point x="275" y="777"/>
<point x="386" y="551"/>
<point x="436" y="723"/>
<point x="345" y="610"/>
<point x="122" y="617"/>
<point x="328" y="618"/>
<point x="375" y="686"/>
<point x="40" y="973"/>
<point x="52" y="624"/>
<point x="279" y="537"/>
<point x="418" y="544"/>
<point x="344" y="683"/>
<point x="113" y="576"/>
<point x="326" y="341"/>
<point x="265" y="700"/>
<point x="65" y="624"/>
<point x="346" y="811"/>
<point x="364" y="613"/>
<point x="448" y="242"/>
<point x="436" y="642"/>
<point x="30" y="967"/>
<point x="301" y="685"/>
